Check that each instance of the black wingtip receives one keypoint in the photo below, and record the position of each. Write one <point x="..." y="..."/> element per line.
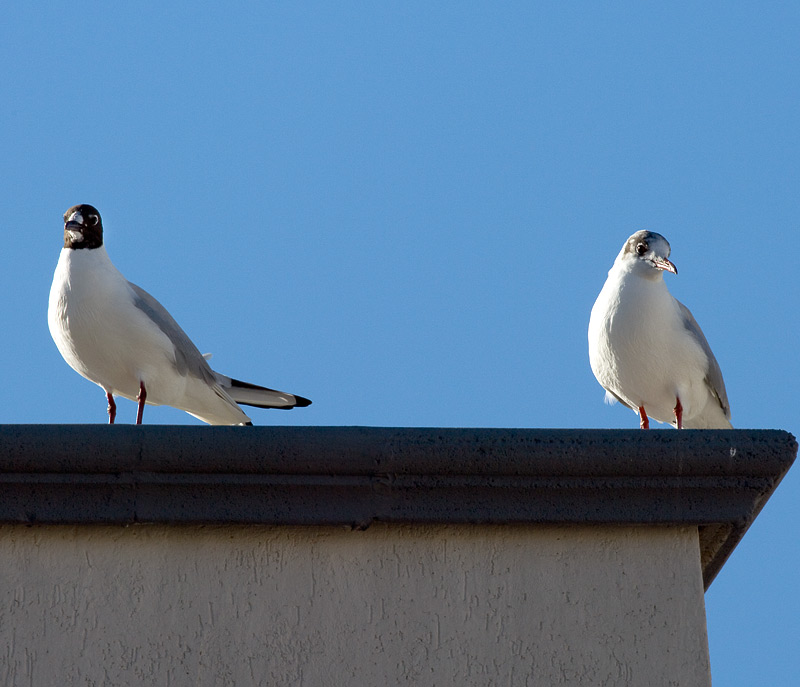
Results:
<point x="300" y="402"/>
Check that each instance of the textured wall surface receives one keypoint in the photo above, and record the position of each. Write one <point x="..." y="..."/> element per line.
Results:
<point x="423" y="605"/>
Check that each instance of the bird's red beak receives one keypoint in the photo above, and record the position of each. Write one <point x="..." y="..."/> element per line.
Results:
<point x="664" y="264"/>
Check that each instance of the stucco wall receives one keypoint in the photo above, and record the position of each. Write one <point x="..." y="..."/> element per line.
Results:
<point x="422" y="605"/>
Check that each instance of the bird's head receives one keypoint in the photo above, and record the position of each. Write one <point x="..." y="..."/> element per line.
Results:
<point x="647" y="253"/>
<point x="83" y="227"/>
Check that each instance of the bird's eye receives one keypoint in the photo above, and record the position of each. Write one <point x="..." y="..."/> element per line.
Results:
<point x="641" y="248"/>
<point x="92" y="220"/>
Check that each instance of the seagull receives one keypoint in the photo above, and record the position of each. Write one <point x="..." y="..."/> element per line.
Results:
<point x="647" y="350"/>
<point x="118" y="336"/>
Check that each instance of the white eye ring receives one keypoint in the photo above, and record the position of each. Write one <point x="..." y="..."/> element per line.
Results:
<point x="92" y="220"/>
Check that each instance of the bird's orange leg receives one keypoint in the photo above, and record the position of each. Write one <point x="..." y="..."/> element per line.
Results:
<point x="644" y="422"/>
<point x="112" y="409"/>
<point x="679" y="413"/>
<point x="141" y="399"/>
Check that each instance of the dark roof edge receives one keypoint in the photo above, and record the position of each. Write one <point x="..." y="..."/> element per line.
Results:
<point x="716" y="480"/>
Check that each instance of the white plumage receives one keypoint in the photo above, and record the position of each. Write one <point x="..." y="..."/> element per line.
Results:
<point x="645" y="347"/>
<point x="121" y="338"/>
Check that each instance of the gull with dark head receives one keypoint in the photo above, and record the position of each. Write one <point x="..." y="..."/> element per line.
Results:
<point x="645" y="347"/>
<point x="118" y="336"/>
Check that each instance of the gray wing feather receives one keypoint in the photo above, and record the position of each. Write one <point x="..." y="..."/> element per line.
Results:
<point x="188" y="360"/>
<point x="714" y="374"/>
<point x="619" y="398"/>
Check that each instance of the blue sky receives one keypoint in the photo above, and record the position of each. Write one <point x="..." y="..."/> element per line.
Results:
<point x="404" y="211"/>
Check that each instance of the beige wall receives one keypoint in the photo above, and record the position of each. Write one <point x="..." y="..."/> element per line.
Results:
<point x="458" y="605"/>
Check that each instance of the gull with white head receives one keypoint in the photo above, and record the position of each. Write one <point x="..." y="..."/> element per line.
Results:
<point x="647" y="350"/>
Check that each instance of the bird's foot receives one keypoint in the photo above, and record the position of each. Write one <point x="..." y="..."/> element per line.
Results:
<point x="678" y="414"/>
<point x="644" y="421"/>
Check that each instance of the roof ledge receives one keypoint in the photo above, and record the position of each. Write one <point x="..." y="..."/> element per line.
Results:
<point x="717" y="480"/>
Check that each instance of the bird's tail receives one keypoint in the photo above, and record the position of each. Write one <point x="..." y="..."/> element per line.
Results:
<point x="259" y="396"/>
<point x="701" y="422"/>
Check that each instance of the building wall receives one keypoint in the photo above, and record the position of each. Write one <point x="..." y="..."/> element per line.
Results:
<point x="423" y="605"/>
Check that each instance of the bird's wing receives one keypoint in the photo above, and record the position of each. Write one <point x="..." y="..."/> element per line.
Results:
<point x="612" y="398"/>
<point x="248" y="394"/>
<point x="188" y="360"/>
<point x="714" y="374"/>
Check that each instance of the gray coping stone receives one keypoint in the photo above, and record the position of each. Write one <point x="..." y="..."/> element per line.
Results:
<point x="716" y="479"/>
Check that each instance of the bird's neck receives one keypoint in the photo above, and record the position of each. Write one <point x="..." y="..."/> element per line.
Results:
<point x="627" y="269"/>
<point x="86" y="263"/>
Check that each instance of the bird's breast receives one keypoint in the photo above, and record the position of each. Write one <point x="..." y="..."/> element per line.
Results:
<point x="97" y="328"/>
<point x="633" y="329"/>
